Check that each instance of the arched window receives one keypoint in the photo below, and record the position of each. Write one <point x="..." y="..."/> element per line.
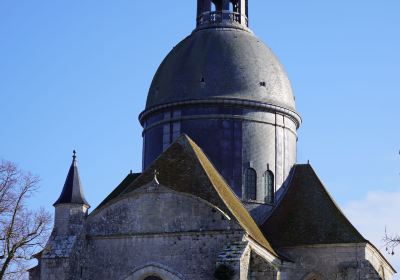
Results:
<point x="269" y="184"/>
<point x="216" y="5"/>
<point x="152" y="278"/>
<point x="250" y="191"/>
<point x="231" y="6"/>
<point x="213" y="7"/>
<point x="234" y="6"/>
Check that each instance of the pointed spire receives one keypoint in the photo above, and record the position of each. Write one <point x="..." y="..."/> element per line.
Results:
<point x="72" y="192"/>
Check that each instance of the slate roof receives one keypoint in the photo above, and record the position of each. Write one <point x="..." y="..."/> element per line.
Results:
<point x="217" y="63"/>
<point x="307" y="215"/>
<point x="72" y="191"/>
<point x="121" y="187"/>
<point x="185" y="168"/>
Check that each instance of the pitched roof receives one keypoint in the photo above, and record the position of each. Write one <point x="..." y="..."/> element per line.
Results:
<point x="185" y="168"/>
<point x="72" y="191"/>
<point x="307" y="215"/>
<point x="120" y="188"/>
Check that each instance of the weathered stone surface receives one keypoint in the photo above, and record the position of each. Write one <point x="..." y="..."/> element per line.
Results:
<point x="340" y="261"/>
<point x="224" y="88"/>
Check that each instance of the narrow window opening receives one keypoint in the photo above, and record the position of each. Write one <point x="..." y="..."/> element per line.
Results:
<point x="176" y="126"/>
<point x="213" y="7"/>
<point x="263" y="84"/>
<point x="250" y="192"/>
<point x="269" y="187"/>
<point x="216" y="5"/>
<point x="234" y="6"/>
<point x="166" y="136"/>
<point x="171" y="129"/>
<point x="202" y="80"/>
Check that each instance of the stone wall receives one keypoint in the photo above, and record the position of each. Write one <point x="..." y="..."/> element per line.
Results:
<point x="191" y="255"/>
<point x="260" y="269"/>
<point x="336" y="262"/>
<point x="157" y="227"/>
<point x="234" y="138"/>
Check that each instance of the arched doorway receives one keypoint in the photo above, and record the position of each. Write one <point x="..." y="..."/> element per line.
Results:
<point x="154" y="271"/>
<point x="313" y="276"/>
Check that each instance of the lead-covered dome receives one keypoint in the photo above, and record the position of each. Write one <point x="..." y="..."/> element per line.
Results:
<point x="221" y="63"/>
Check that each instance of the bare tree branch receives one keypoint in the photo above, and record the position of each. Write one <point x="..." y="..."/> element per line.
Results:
<point x="22" y="231"/>
<point x="391" y="242"/>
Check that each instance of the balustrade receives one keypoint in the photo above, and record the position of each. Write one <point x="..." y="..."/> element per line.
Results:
<point x="221" y="16"/>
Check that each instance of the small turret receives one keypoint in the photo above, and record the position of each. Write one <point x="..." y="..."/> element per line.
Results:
<point x="71" y="211"/>
<point x="71" y="207"/>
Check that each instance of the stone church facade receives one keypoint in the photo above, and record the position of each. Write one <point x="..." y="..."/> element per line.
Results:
<point x="221" y="195"/>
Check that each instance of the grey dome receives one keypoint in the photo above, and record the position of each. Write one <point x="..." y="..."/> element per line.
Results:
<point x="220" y="63"/>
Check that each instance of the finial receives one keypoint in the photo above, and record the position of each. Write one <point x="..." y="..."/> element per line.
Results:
<point x="74" y="155"/>
<point x="155" y="176"/>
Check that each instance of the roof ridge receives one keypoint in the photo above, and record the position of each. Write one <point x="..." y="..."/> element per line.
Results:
<point x="202" y="180"/>
<point x="307" y="200"/>
<point x="243" y="217"/>
<point x="334" y="201"/>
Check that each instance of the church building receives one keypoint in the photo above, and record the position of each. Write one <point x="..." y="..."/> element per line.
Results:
<point x="221" y="195"/>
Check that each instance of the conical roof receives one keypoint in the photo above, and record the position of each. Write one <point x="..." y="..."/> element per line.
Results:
<point x="72" y="192"/>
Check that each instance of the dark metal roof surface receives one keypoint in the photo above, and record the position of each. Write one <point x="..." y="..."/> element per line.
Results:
<point x="220" y="63"/>
<point x="307" y="215"/>
<point x="72" y="191"/>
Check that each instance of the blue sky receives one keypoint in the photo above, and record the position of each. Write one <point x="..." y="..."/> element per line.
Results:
<point x="75" y="74"/>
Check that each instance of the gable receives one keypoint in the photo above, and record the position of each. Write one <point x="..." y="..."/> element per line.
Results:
<point x="157" y="209"/>
<point x="119" y="189"/>
<point x="307" y="215"/>
<point x="184" y="167"/>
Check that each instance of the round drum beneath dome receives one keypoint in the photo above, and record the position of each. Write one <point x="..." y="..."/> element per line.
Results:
<point x="227" y="91"/>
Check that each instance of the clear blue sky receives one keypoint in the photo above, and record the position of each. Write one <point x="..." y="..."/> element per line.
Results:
<point x="75" y="74"/>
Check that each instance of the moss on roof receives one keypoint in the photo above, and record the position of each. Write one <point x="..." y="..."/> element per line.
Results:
<point x="230" y="199"/>
<point x="307" y="215"/>
<point x="184" y="167"/>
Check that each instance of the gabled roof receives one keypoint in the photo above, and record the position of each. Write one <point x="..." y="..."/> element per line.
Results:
<point x="72" y="191"/>
<point x="121" y="187"/>
<point x="184" y="167"/>
<point x="307" y="215"/>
